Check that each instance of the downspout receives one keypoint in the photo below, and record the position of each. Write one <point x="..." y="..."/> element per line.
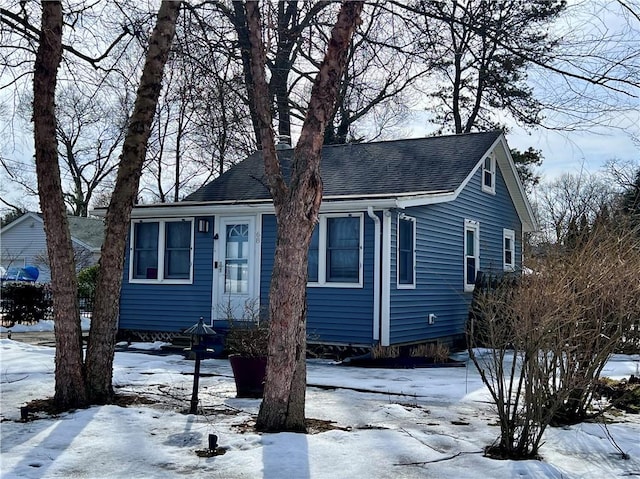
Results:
<point x="376" y="274"/>
<point x="385" y="303"/>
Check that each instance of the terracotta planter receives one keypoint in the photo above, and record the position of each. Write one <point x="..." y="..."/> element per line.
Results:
<point x="249" y="375"/>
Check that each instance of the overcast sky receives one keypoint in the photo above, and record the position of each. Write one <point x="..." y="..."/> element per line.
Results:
<point x="563" y="151"/>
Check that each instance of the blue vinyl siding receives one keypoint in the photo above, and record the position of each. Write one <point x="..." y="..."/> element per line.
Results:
<point x="334" y="315"/>
<point x="345" y="315"/>
<point x="439" y="260"/>
<point x="170" y="307"/>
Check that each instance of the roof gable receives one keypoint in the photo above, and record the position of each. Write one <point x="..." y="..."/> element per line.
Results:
<point x="378" y="169"/>
<point x="28" y="215"/>
<point x="88" y="232"/>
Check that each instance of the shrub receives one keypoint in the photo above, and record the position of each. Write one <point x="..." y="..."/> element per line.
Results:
<point x="439" y="352"/>
<point x="248" y="333"/>
<point x="23" y="303"/>
<point x="87" y="281"/>
<point x="550" y="334"/>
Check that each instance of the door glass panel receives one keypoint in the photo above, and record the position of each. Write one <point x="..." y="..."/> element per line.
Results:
<point x="237" y="259"/>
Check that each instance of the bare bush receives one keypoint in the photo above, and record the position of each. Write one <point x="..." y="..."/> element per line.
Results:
<point x="383" y="352"/>
<point x="439" y="352"/>
<point x="549" y="335"/>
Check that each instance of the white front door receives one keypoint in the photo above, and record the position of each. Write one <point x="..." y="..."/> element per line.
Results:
<point x="235" y="269"/>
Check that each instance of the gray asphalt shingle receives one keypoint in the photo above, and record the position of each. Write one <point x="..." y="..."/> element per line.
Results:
<point x="389" y="168"/>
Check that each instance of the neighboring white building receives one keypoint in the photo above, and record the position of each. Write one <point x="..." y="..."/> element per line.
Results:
<point x="23" y="243"/>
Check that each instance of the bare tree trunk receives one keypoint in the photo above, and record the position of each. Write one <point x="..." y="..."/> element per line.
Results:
<point x="104" y="324"/>
<point x="296" y="207"/>
<point x="70" y="389"/>
<point x="239" y="21"/>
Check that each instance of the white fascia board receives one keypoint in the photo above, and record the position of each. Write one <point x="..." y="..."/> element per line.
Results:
<point x="427" y="199"/>
<point x="514" y="185"/>
<point x="187" y="209"/>
<point x="511" y="179"/>
<point x="329" y="204"/>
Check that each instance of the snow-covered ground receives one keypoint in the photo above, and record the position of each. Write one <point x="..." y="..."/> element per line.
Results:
<point x="45" y="325"/>
<point x="388" y="424"/>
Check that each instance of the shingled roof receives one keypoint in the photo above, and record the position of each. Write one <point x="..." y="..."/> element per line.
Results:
<point x="381" y="169"/>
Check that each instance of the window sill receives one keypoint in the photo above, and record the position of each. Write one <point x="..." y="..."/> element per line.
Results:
<point x="160" y="281"/>
<point x="335" y="285"/>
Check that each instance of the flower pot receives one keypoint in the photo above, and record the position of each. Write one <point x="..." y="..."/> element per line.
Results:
<point x="249" y="375"/>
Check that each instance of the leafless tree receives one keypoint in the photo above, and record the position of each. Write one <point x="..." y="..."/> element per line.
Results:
<point x="90" y="132"/>
<point x="82" y="258"/>
<point x="296" y="203"/>
<point x="73" y="388"/>
<point x="104" y="324"/>
<point x="376" y="91"/>
<point x="69" y="373"/>
<point x="202" y="125"/>
<point x="568" y="200"/>
<point x="99" y="45"/>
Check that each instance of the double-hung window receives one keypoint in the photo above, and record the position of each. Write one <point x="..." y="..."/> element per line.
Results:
<point x="489" y="174"/>
<point x="335" y="252"/>
<point x="509" y="249"/>
<point x="406" y="251"/>
<point x="471" y="253"/>
<point x="161" y="251"/>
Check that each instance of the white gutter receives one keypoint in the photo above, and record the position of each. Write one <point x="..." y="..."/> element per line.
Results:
<point x="385" y="316"/>
<point x="376" y="275"/>
<point x="405" y="194"/>
<point x="430" y="199"/>
<point x="329" y="204"/>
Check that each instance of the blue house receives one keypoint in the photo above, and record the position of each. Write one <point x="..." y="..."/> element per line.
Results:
<point x="404" y="228"/>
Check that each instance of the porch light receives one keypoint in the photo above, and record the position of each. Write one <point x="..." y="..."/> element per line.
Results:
<point x="198" y="332"/>
<point x="203" y="226"/>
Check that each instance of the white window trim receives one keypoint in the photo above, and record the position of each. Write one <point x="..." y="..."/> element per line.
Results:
<point x="161" y="250"/>
<point x="492" y="165"/>
<point x="322" y="252"/>
<point x="475" y="227"/>
<point x="509" y="234"/>
<point x="411" y="285"/>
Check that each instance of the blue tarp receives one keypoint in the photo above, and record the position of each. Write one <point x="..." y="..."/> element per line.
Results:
<point x="28" y="273"/>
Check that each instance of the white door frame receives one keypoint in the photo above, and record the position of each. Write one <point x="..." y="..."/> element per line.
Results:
<point x="221" y="300"/>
